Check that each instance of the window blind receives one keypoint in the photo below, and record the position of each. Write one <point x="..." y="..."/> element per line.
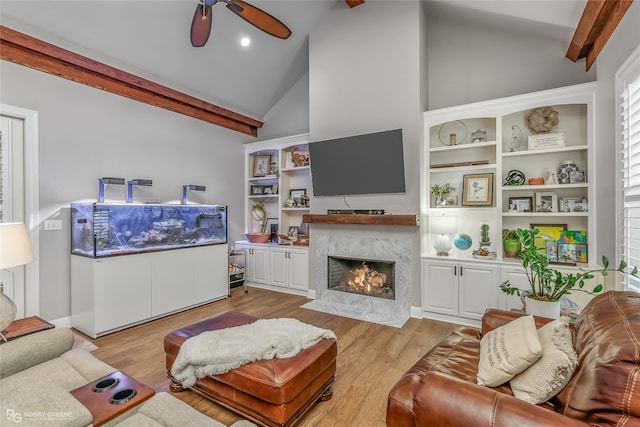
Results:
<point x="628" y="89"/>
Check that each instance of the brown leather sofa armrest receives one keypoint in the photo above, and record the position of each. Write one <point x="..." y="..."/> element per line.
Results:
<point x="445" y="401"/>
<point x="494" y="318"/>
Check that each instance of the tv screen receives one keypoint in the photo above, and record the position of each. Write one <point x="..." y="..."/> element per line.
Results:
<point x="362" y="164"/>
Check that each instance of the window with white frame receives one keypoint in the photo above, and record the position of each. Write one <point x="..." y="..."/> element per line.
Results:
<point x="628" y="135"/>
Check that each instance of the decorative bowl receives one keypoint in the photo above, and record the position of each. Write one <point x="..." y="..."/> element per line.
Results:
<point x="258" y="237"/>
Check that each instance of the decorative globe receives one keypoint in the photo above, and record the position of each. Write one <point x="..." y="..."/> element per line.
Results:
<point x="462" y="241"/>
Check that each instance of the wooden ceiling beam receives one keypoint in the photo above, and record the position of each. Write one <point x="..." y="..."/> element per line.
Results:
<point x="354" y="3"/>
<point x="30" y="52"/>
<point x="599" y="19"/>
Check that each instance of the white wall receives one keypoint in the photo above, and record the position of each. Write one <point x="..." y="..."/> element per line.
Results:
<point x="86" y="134"/>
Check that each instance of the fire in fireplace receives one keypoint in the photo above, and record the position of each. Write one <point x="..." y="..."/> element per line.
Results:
<point x="362" y="276"/>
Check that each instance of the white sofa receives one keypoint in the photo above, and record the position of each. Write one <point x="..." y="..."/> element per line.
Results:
<point x="38" y="371"/>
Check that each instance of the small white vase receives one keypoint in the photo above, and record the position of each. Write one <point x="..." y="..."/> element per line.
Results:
<point x="549" y="309"/>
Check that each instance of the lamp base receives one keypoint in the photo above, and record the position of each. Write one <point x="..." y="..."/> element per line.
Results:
<point x="8" y="312"/>
<point x="442" y="245"/>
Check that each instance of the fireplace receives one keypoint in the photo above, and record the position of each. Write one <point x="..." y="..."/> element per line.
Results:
<point x="391" y="312"/>
<point x="362" y="276"/>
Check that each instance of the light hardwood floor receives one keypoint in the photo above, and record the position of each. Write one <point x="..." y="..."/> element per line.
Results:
<point x="371" y="357"/>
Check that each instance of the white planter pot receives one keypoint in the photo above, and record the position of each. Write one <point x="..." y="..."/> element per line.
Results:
<point x="550" y="309"/>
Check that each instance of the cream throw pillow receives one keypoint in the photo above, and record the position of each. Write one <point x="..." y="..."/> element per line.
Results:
<point x="553" y="371"/>
<point x="507" y="351"/>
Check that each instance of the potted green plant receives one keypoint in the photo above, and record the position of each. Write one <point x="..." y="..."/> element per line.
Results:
<point x="511" y="243"/>
<point x="441" y="192"/>
<point x="548" y="284"/>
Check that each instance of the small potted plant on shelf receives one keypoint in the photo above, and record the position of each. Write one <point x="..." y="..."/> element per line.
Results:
<point x="548" y="285"/>
<point x="484" y="235"/>
<point x="511" y="243"/>
<point x="441" y="192"/>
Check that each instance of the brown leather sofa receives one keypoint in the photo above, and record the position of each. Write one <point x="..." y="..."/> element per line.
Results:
<point x="441" y="390"/>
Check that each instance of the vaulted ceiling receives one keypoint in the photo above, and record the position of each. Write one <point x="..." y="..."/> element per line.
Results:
<point x="150" y="38"/>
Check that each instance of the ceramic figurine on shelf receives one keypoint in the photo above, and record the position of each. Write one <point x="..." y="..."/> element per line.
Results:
<point x="552" y="178"/>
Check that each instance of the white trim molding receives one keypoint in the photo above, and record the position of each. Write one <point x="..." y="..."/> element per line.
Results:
<point x="31" y="201"/>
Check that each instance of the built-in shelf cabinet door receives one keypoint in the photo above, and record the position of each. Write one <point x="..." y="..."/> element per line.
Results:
<point x="440" y="291"/>
<point x="289" y="267"/>
<point x="478" y="288"/>
<point x="299" y="269"/>
<point x="279" y="267"/>
<point x="516" y="277"/>
<point x="257" y="259"/>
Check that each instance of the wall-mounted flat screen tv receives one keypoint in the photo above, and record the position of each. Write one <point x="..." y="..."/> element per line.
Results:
<point x="361" y="164"/>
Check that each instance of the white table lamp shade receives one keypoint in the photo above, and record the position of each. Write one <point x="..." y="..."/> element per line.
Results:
<point x="15" y="250"/>
<point x="443" y="225"/>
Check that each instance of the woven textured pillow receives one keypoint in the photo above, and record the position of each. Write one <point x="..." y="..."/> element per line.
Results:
<point x="553" y="371"/>
<point x="507" y="351"/>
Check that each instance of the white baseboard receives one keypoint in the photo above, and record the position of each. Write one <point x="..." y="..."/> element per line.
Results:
<point x="63" y="322"/>
<point x="416" y="312"/>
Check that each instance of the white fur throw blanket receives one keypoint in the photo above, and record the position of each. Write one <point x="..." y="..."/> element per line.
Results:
<point x="220" y="351"/>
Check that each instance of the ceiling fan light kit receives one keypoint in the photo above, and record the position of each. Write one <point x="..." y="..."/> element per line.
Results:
<point x="202" y="20"/>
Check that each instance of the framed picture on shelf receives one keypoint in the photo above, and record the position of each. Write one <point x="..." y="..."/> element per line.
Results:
<point x="257" y="190"/>
<point x="261" y="165"/>
<point x="546" y="202"/>
<point x="552" y="251"/>
<point x="567" y="253"/>
<point x="451" y="200"/>
<point x="297" y="195"/>
<point x="573" y="236"/>
<point x="566" y="202"/>
<point x="520" y="204"/>
<point x="579" y="207"/>
<point x="267" y="189"/>
<point x="547" y="233"/>
<point x="477" y="190"/>
<point x="577" y="177"/>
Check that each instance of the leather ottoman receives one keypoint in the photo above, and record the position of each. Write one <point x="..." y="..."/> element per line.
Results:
<point x="274" y="392"/>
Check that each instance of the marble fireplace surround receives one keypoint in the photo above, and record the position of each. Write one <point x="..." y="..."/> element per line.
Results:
<point x="372" y="309"/>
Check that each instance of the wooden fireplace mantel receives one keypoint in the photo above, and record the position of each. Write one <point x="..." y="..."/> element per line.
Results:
<point x="396" y="220"/>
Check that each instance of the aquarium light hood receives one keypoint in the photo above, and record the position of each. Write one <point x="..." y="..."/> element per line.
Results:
<point x="130" y="184"/>
<point x="191" y="187"/>
<point x="103" y="183"/>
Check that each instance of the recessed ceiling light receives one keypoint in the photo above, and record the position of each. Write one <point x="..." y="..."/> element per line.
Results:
<point x="245" y="41"/>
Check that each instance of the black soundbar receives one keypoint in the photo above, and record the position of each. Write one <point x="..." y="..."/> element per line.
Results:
<point x="355" y="211"/>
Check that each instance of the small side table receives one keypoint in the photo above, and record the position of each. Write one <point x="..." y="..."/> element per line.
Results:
<point x="99" y="399"/>
<point x="28" y="325"/>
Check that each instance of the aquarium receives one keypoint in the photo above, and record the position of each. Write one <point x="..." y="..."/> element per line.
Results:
<point x="106" y="229"/>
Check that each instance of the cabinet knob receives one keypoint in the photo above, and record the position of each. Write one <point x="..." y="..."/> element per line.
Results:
<point x="460" y="270"/>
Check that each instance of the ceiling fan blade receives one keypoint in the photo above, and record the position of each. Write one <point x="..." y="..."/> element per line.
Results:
<point x="258" y="18"/>
<point x="201" y="25"/>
